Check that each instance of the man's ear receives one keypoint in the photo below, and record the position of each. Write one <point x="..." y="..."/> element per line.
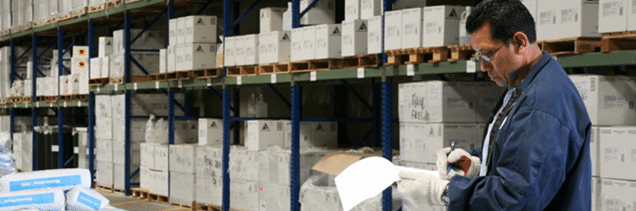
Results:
<point x="520" y="42"/>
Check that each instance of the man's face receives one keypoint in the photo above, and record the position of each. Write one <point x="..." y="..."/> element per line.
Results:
<point x="503" y="62"/>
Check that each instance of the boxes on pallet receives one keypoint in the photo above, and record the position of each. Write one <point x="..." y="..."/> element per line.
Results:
<point x="73" y="84"/>
<point x="617" y="147"/>
<point x="181" y="30"/>
<point x="264" y="133"/>
<point x="210" y="131"/>
<point x="80" y="52"/>
<point x="273" y="165"/>
<point x="209" y="190"/>
<point x="412" y="20"/>
<point x="137" y="128"/>
<point x="322" y="12"/>
<point x="309" y="43"/>
<point x="274" y="197"/>
<point x="441" y="25"/>
<point x="196" y="56"/>
<point x="172" y="32"/>
<point x="145" y="104"/>
<point x="419" y="142"/>
<point x="370" y="8"/>
<point x="352" y="10"/>
<point x="579" y="18"/>
<point x="119" y="152"/>
<point x="209" y="161"/>
<point x="104" y="150"/>
<point x="83" y="84"/>
<point x="271" y="19"/>
<point x="250" y="45"/>
<point x="595" y="154"/>
<point x="393" y="30"/>
<point x="105" y="70"/>
<point x="200" y="29"/>
<point x="354" y="37"/>
<point x="161" y="157"/>
<point x="147" y="154"/>
<point x="374" y="35"/>
<point x="328" y="41"/>
<point x="119" y="174"/>
<point x="274" y="47"/>
<point x="631" y="15"/>
<point x="148" y="60"/>
<point x="105" y="47"/>
<point x="239" y="50"/>
<point x="314" y="134"/>
<point x="103" y="107"/>
<point x="95" y="68"/>
<point x="617" y="194"/>
<point x="244" y="195"/>
<point x="150" y="39"/>
<point x="596" y="193"/>
<point x="182" y="158"/>
<point x="156" y="181"/>
<point x="27" y="151"/>
<point x="163" y="60"/>
<point x="297" y="44"/>
<point x="171" y="57"/>
<point x="548" y="20"/>
<point x="182" y="188"/>
<point x="17" y="149"/>
<point x="104" y="174"/>
<point x="609" y="99"/>
<point x="243" y="164"/>
<point x="228" y="54"/>
<point x="612" y="16"/>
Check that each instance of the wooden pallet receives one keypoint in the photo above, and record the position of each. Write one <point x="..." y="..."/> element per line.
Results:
<point x="621" y="41"/>
<point x="47" y="22"/>
<point x="461" y="52"/>
<point x="205" y="73"/>
<point x="177" y="75"/>
<point x="132" y="1"/>
<point x="109" y="189"/>
<point x="158" y="77"/>
<point x="101" y="7"/>
<point x="153" y="197"/>
<point x="249" y="70"/>
<point x="79" y="13"/>
<point x="133" y="79"/>
<point x="98" y="81"/>
<point x="417" y="55"/>
<point x="369" y="60"/>
<point x="5" y="32"/>
<point x="114" y="3"/>
<point x="315" y="65"/>
<point x="233" y="71"/>
<point x="191" y="206"/>
<point x="577" y="45"/>
<point x="73" y="97"/>
<point x="27" y="26"/>
<point x="64" y="16"/>
<point x="50" y="99"/>
<point x="207" y="207"/>
<point x="141" y="193"/>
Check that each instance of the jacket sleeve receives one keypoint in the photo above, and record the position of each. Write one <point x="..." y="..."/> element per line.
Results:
<point x="528" y="172"/>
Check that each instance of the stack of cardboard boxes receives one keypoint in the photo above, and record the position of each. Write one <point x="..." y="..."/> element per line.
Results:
<point x="192" y="44"/>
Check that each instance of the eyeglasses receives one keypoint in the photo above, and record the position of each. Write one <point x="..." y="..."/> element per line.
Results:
<point x="486" y="57"/>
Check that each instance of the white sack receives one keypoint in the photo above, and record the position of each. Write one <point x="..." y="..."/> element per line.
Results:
<point x="85" y="199"/>
<point x="64" y="179"/>
<point x="44" y="199"/>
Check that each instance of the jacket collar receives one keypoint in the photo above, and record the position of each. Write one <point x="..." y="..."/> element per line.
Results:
<point x="545" y="59"/>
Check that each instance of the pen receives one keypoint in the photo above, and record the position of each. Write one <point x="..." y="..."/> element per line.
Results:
<point x="448" y="168"/>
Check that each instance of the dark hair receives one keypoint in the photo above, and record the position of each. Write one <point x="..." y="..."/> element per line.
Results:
<point x="506" y="17"/>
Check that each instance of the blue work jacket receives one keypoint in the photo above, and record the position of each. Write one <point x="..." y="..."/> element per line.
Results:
<point x="541" y="154"/>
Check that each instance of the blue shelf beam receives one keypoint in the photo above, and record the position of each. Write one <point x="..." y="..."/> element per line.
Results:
<point x="356" y="94"/>
<point x="295" y="149"/>
<point x="91" y="105"/>
<point x="387" y="136"/>
<point x="240" y="18"/>
<point x="305" y="10"/>
<point x="127" y="112"/>
<point x="279" y="95"/>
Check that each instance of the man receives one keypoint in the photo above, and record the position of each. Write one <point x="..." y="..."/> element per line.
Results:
<point x="535" y="154"/>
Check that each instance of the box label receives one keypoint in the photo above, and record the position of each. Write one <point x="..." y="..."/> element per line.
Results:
<point x="569" y="15"/>
<point x="89" y="201"/>
<point x="547" y="18"/>
<point x="51" y="182"/>
<point x="613" y="9"/>
<point x="44" y="198"/>
<point x="432" y="28"/>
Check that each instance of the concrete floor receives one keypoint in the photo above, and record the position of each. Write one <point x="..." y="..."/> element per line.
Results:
<point x="122" y="201"/>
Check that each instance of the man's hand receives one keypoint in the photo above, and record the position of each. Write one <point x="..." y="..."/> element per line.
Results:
<point x="462" y="163"/>
<point x="420" y="189"/>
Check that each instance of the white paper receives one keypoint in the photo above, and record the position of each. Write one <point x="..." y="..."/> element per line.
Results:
<point x="368" y="178"/>
<point x="410" y="70"/>
<point x="471" y="66"/>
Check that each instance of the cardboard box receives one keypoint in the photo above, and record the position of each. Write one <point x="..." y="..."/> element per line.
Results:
<point x="274" y="47"/>
<point x="323" y="12"/>
<point x="161" y="157"/>
<point x="324" y="134"/>
<point x="148" y="60"/>
<point x="297" y="44"/>
<point x="147" y="154"/>
<point x="103" y="107"/>
<point x="243" y="164"/>
<point x="183" y="158"/>
<point x="239" y="50"/>
<point x="181" y="30"/>
<point x="182" y="188"/>
<point x="163" y="60"/>
<point x="209" y="190"/>
<point x="105" y="47"/>
<point x="617" y="194"/>
<point x="137" y="128"/>
<point x="250" y="48"/>
<point x="209" y="160"/>
<point x="264" y="133"/>
<point x="104" y="174"/>
<point x="393" y="30"/>
<point x="531" y="5"/>
<point x="83" y="84"/>
<point x="374" y="35"/>
<point x="96" y="68"/>
<point x="119" y="175"/>
<point x="304" y="134"/>
<point x="612" y="16"/>
<point x="354" y="37"/>
<point x="271" y="19"/>
<point x="105" y="70"/>
<point x="197" y="56"/>
<point x="596" y="194"/>
<point x="80" y="52"/>
<point x="150" y="39"/>
<point x="171" y="58"/>
<point x="617" y="145"/>
<point x="119" y="152"/>
<point x="412" y="20"/>
<point x="441" y="25"/>
<point x="352" y="10"/>
<point x="73" y="84"/>
<point x="104" y="150"/>
<point x="595" y="153"/>
<point x="548" y="20"/>
<point x="244" y="195"/>
<point x="274" y="168"/>
<point x="104" y="128"/>
<point x="419" y="142"/>
<point x="159" y="182"/>
<point x="631" y="15"/>
<point x="370" y="8"/>
<point x="172" y="32"/>
<point x="144" y="105"/>
<point x="609" y="99"/>
<point x="309" y="42"/>
<point x="228" y="55"/>
<point x="79" y="65"/>
<point x="274" y="197"/>
<point x="579" y="18"/>
<point x="210" y="131"/>
<point x="200" y="29"/>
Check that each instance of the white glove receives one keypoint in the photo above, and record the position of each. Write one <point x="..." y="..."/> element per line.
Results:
<point x="420" y="189"/>
<point x="463" y="163"/>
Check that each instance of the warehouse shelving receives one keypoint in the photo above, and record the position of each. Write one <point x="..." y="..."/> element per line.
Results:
<point x="385" y="75"/>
